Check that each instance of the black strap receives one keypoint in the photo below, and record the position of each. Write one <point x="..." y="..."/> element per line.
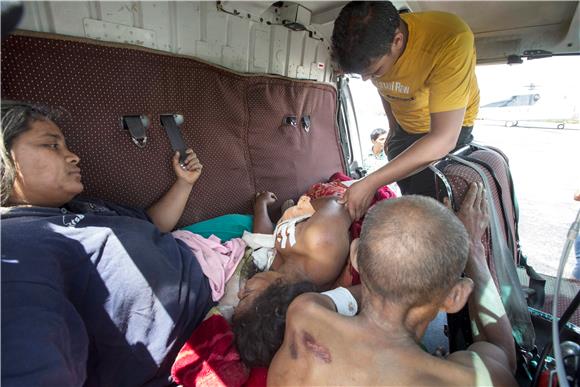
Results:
<point x="569" y="312"/>
<point x="170" y="123"/>
<point x="137" y="127"/>
<point x="305" y="121"/>
<point x="537" y="283"/>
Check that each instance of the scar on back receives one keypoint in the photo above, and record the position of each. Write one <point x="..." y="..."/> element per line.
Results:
<point x="293" y="349"/>
<point x="318" y="350"/>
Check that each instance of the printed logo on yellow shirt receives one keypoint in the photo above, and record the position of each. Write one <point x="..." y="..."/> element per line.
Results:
<point x="393" y="86"/>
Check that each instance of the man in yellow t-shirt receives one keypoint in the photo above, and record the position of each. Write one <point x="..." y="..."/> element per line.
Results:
<point x="423" y="66"/>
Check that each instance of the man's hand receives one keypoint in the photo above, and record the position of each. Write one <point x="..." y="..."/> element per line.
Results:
<point x="266" y="198"/>
<point x="491" y="327"/>
<point x="358" y="198"/>
<point x="190" y="170"/>
<point x="474" y="212"/>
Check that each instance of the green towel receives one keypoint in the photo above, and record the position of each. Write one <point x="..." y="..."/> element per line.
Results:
<point x="225" y="227"/>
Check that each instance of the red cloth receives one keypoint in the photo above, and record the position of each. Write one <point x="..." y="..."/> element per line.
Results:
<point x="209" y="357"/>
<point x="334" y="188"/>
<point x="258" y="377"/>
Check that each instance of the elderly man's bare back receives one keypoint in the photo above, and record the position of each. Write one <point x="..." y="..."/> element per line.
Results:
<point x="321" y="348"/>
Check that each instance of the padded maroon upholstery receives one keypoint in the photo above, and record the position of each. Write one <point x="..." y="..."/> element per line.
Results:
<point x="290" y="158"/>
<point x="232" y="121"/>
<point x="460" y="177"/>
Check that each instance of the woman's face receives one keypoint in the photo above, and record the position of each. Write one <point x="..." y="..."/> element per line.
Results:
<point x="46" y="171"/>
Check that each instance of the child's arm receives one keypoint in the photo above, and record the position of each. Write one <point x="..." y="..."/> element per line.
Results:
<point x="262" y="222"/>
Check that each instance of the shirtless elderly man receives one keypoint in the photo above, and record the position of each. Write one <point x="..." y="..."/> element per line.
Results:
<point x="404" y="285"/>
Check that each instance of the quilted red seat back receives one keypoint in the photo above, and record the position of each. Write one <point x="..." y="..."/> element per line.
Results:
<point x="234" y="122"/>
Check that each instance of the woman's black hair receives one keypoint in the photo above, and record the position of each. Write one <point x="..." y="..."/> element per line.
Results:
<point x="363" y="32"/>
<point x="259" y="331"/>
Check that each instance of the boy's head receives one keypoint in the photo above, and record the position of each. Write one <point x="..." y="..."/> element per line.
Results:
<point x="363" y="37"/>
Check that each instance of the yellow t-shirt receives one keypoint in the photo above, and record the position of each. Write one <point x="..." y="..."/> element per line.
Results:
<point x="435" y="73"/>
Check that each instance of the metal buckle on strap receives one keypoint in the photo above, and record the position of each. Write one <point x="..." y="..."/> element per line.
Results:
<point x="137" y="127"/>
<point x="305" y="121"/>
<point x="290" y="120"/>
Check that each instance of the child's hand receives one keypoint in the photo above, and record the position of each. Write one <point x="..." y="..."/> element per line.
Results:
<point x="190" y="171"/>
<point x="267" y="198"/>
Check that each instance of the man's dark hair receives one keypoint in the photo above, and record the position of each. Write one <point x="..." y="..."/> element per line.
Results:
<point x="412" y="250"/>
<point x="363" y="32"/>
<point x="16" y="119"/>
<point x="376" y="133"/>
<point x="259" y="331"/>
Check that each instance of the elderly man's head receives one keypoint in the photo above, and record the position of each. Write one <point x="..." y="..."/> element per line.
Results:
<point x="412" y="251"/>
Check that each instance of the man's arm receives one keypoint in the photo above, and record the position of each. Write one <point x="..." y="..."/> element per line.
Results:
<point x="165" y="213"/>
<point x="445" y="130"/>
<point x="492" y="329"/>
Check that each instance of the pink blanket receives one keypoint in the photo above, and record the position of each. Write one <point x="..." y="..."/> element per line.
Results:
<point x="218" y="260"/>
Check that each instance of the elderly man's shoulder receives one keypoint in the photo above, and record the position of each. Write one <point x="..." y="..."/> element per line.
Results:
<point x="485" y="362"/>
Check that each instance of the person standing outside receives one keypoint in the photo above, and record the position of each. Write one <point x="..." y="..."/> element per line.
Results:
<point x="423" y="66"/>
<point x="377" y="156"/>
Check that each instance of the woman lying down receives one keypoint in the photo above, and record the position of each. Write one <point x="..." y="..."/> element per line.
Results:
<point x="102" y="294"/>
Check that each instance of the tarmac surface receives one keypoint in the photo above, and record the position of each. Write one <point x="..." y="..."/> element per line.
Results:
<point x="545" y="165"/>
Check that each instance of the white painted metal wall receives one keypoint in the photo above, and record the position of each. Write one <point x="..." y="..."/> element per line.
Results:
<point x="250" y="42"/>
